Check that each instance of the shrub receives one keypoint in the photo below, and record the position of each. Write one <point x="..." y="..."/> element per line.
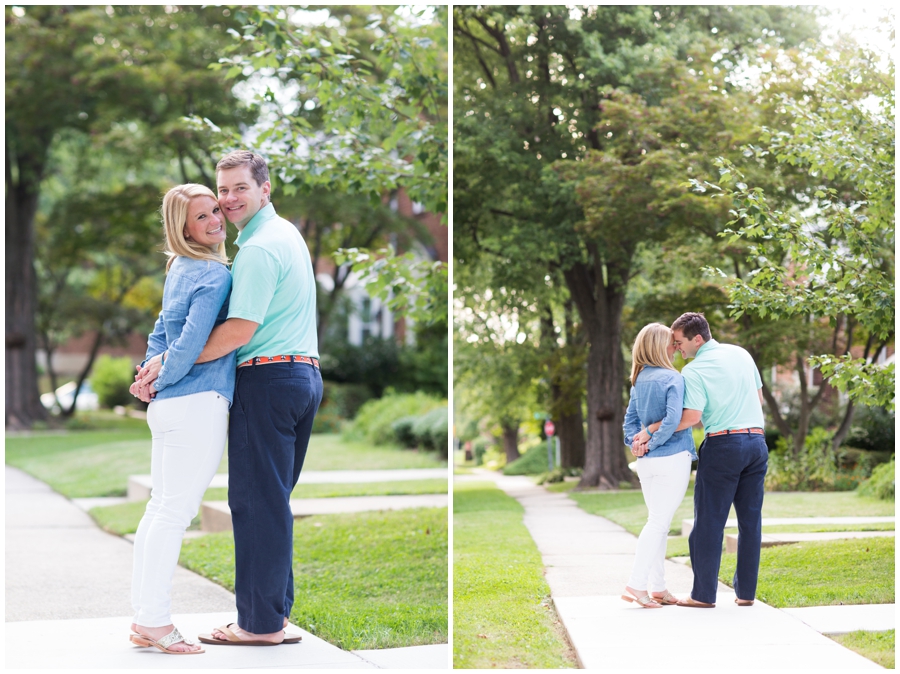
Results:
<point x="325" y="422"/>
<point x="403" y="431"/>
<point x="559" y="475"/>
<point x="872" y="429"/>
<point x="110" y="379"/>
<point x="532" y="462"/>
<point x="440" y="430"/>
<point x="374" y="420"/>
<point x="344" y="400"/>
<point x="814" y="468"/>
<point x="881" y="484"/>
<point x="479" y="447"/>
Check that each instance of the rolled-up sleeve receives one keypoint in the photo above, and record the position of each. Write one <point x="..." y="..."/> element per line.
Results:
<point x="632" y="425"/>
<point x="674" y="408"/>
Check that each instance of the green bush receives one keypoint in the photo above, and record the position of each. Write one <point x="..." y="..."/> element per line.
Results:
<point x="326" y="422"/>
<point x="532" y="462"/>
<point x="881" y="484"/>
<point x="344" y="400"/>
<point x="873" y="429"/>
<point x="559" y="475"/>
<point x="403" y="431"/>
<point x="479" y="447"/>
<point x="424" y="428"/>
<point x="375" y="418"/>
<point x="815" y="467"/>
<point x="111" y="378"/>
<point x="440" y="430"/>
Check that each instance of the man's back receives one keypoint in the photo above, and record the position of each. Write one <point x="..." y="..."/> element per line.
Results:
<point x="722" y="381"/>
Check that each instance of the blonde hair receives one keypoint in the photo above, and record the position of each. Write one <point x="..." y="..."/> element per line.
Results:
<point x="650" y="349"/>
<point x="174" y="213"/>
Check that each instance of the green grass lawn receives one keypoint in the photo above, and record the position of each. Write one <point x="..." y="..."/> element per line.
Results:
<point x="502" y="614"/>
<point x="823" y="573"/>
<point x="124" y="518"/>
<point x="362" y="580"/>
<point x="98" y="463"/>
<point x="876" y="646"/>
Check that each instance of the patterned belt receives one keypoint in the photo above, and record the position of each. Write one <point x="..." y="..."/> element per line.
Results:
<point x="265" y="360"/>
<point x="755" y="431"/>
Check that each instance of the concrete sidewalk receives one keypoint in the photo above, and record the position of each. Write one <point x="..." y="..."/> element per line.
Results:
<point x="588" y="561"/>
<point x="68" y="602"/>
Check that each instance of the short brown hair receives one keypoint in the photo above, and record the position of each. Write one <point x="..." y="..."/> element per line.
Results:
<point x="692" y="324"/>
<point x="258" y="168"/>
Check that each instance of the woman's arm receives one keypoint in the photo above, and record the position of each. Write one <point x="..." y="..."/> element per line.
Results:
<point x="156" y="342"/>
<point x="674" y="407"/>
<point x="207" y="298"/>
<point x="632" y="424"/>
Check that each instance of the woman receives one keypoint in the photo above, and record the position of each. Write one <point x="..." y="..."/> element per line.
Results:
<point x="664" y="465"/>
<point x="188" y="417"/>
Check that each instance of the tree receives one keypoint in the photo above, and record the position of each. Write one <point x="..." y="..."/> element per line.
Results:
<point x="620" y="101"/>
<point x="830" y="253"/>
<point x="124" y="74"/>
<point x="366" y="114"/>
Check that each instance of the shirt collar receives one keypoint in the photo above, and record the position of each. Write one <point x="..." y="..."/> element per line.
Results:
<point x="710" y="343"/>
<point x="263" y="214"/>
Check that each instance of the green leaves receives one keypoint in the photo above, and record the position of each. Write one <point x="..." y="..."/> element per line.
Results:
<point x="836" y="242"/>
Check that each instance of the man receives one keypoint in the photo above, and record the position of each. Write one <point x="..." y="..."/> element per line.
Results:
<point x="278" y="388"/>
<point x="722" y="389"/>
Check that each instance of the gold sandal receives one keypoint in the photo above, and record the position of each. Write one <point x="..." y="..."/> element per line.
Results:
<point x="668" y="599"/>
<point x="163" y="643"/>
<point x="643" y="602"/>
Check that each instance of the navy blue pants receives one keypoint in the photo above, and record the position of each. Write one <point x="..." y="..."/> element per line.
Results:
<point x="732" y="469"/>
<point x="268" y="433"/>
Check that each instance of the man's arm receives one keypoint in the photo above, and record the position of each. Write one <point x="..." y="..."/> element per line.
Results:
<point x="688" y="418"/>
<point x="761" y="401"/>
<point x="230" y="335"/>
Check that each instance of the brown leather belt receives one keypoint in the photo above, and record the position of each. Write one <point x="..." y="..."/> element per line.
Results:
<point x="265" y="360"/>
<point x="755" y="431"/>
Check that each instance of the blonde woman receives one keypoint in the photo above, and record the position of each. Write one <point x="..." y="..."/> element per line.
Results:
<point x="663" y="464"/>
<point x="188" y="412"/>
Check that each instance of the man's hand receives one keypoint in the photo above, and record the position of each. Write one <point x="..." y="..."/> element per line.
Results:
<point x="641" y="438"/>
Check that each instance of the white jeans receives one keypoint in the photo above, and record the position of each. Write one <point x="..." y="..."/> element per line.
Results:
<point x="188" y="440"/>
<point x="664" y="481"/>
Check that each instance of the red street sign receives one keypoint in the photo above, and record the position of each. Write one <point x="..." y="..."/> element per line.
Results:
<point x="549" y="429"/>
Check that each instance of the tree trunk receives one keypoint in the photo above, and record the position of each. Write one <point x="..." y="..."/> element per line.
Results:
<point x="23" y="404"/>
<point x="511" y="441"/>
<point x="570" y="430"/>
<point x="599" y="294"/>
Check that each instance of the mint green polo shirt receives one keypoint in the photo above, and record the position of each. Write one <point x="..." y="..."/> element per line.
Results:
<point x="273" y="284"/>
<point x="722" y="382"/>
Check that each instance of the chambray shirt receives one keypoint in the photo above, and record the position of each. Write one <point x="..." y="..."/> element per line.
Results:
<point x="195" y="300"/>
<point x="658" y="395"/>
<point x="274" y="286"/>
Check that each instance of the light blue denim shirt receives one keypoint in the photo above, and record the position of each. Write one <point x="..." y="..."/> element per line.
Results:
<point x="658" y="395"/>
<point x="195" y="300"/>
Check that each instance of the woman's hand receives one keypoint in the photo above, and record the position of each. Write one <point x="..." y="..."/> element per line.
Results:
<point x="147" y="375"/>
<point x="638" y="448"/>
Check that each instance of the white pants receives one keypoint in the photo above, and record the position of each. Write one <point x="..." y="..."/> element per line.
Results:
<point x="188" y="440"/>
<point x="664" y="481"/>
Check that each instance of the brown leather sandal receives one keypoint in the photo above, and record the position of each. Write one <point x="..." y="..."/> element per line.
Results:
<point x="691" y="603"/>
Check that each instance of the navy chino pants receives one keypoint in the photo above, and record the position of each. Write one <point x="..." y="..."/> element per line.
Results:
<point x="731" y="469"/>
<point x="268" y="434"/>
